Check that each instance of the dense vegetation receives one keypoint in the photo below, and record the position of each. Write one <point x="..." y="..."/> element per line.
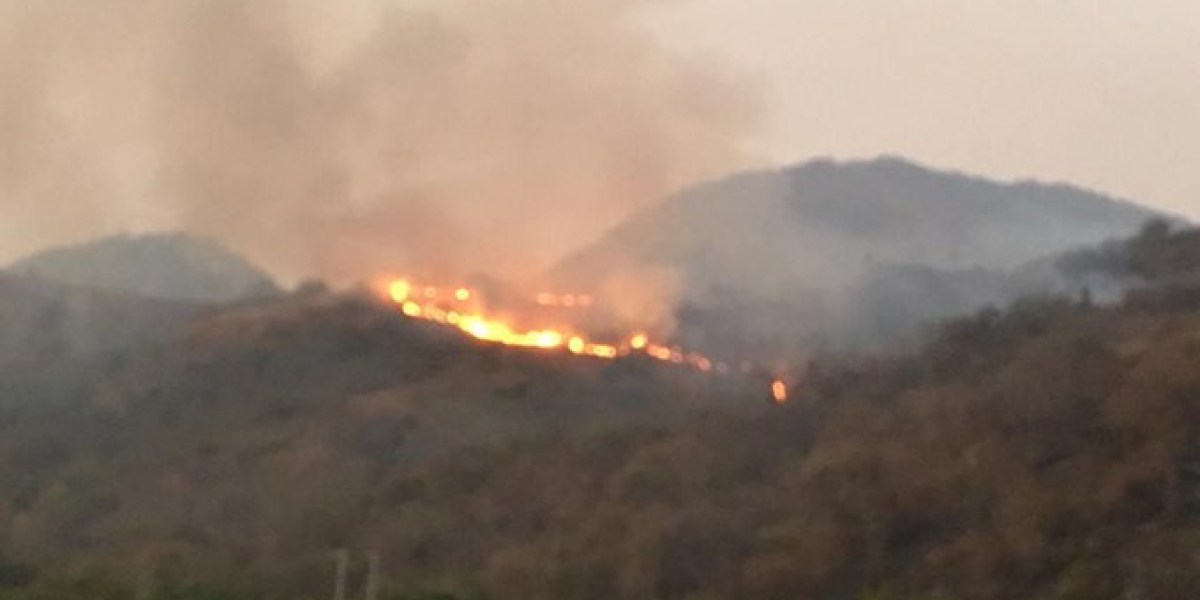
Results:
<point x="1047" y="451"/>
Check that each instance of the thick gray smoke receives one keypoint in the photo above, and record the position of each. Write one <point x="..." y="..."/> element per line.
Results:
<point x="348" y="138"/>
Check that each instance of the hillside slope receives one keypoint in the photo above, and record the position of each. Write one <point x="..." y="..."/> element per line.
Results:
<point x="54" y="337"/>
<point x="1046" y="452"/>
<point x="308" y="398"/>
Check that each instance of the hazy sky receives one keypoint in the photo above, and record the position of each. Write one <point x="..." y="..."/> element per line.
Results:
<point x="1104" y="93"/>
<point x="345" y="138"/>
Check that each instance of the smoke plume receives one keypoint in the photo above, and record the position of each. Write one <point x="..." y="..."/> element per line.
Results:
<point x="343" y="139"/>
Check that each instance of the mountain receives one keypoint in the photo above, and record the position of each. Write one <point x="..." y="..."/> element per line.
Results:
<point x="167" y="266"/>
<point x="1047" y="451"/>
<point x="823" y="223"/>
<point x="813" y="245"/>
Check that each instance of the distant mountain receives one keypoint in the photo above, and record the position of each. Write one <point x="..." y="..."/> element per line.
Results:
<point x="827" y="222"/>
<point x="810" y="245"/>
<point x="168" y="266"/>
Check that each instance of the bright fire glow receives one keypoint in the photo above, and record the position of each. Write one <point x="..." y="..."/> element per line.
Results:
<point x="399" y="290"/>
<point x="460" y="307"/>
<point x="779" y="391"/>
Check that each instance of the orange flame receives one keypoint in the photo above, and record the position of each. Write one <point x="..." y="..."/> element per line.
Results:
<point x="398" y="290"/>
<point x="459" y="307"/>
<point x="779" y="391"/>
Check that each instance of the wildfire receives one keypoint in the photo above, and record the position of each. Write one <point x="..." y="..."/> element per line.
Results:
<point x="460" y="307"/>
<point x="399" y="290"/>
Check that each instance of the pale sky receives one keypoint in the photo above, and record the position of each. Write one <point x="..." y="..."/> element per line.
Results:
<point x="1102" y="93"/>
<point x="344" y="138"/>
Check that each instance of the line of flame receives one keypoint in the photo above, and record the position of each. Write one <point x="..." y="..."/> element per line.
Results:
<point x="456" y="306"/>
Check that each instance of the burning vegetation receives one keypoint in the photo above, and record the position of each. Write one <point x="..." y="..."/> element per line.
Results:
<point x="547" y="321"/>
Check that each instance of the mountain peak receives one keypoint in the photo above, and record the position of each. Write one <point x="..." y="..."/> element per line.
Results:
<point x="825" y="215"/>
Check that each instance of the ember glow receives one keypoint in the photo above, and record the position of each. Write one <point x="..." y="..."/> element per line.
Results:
<point x="464" y="309"/>
<point x="779" y="391"/>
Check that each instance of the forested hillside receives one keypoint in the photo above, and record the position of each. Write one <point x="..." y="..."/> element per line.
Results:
<point x="1046" y="451"/>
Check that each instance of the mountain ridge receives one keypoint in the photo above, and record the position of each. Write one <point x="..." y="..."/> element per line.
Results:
<point x="829" y="201"/>
<point x="172" y="266"/>
<point x="815" y="251"/>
